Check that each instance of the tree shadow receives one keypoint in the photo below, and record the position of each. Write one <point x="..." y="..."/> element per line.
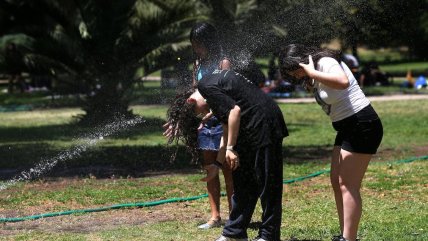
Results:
<point x="304" y="154"/>
<point x="74" y="131"/>
<point x="101" y="161"/>
<point x="25" y="147"/>
<point x="135" y="161"/>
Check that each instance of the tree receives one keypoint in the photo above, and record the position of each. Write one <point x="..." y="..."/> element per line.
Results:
<point x="380" y="23"/>
<point x="101" y="44"/>
<point x="263" y="26"/>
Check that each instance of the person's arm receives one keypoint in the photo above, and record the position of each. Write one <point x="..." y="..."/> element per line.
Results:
<point x="234" y="122"/>
<point x="335" y="78"/>
<point x="224" y="64"/>
<point x="170" y="132"/>
<point x="233" y="125"/>
<point x="221" y="156"/>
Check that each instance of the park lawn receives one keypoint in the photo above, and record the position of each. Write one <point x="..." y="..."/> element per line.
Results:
<point x="396" y="193"/>
<point x="404" y="67"/>
<point x="27" y="137"/>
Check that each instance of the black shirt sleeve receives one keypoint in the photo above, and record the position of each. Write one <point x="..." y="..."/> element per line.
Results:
<point x="219" y="102"/>
<point x="261" y="121"/>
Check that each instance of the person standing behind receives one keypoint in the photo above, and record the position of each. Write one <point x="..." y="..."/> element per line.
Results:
<point x="209" y="57"/>
<point x="359" y="129"/>
<point x="14" y="66"/>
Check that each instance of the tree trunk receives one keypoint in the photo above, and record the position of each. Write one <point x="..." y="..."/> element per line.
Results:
<point x="355" y="51"/>
<point x="105" y="103"/>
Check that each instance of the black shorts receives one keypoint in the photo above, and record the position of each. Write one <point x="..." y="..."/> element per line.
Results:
<point x="359" y="133"/>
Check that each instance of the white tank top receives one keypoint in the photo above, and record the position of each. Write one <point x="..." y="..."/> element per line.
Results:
<point x="339" y="104"/>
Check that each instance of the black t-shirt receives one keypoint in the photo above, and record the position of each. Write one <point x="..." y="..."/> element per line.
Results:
<point x="261" y="119"/>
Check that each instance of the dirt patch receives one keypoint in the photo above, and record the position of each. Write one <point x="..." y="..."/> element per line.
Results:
<point x="421" y="150"/>
<point x="108" y="220"/>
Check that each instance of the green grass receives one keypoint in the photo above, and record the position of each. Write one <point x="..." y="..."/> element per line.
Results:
<point x="381" y="55"/>
<point x="394" y="194"/>
<point x="27" y="137"/>
<point x="394" y="210"/>
<point x="404" y="67"/>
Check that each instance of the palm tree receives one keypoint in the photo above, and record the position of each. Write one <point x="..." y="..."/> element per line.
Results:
<point x="101" y="44"/>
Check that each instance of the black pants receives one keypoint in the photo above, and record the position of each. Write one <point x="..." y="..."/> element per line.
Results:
<point x="260" y="175"/>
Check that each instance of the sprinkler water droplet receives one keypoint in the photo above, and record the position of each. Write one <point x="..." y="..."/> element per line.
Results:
<point x="87" y="141"/>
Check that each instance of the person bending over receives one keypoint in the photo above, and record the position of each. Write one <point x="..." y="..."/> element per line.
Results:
<point x="359" y="129"/>
<point x="251" y="145"/>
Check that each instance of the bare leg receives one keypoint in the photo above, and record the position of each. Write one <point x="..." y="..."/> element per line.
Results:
<point x="352" y="167"/>
<point x="213" y="186"/>
<point x="334" y="179"/>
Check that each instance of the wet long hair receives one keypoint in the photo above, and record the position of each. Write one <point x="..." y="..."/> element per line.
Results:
<point x="206" y="35"/>
<point x="182" y="118"/>
<point x="293" y="54"/>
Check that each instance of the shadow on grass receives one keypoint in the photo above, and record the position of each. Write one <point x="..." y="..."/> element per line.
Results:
<point x="98" y="161"/>
<point x="68" y="132"/>
<point x="135" y="161"/>
<point x="29" y="146"/>
<point x="256" y="226"/>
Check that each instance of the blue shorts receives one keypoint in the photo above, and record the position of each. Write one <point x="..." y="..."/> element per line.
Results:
<point x="209" y="136"/>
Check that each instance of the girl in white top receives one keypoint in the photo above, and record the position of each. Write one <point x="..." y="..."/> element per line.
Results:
<point x="359" y="129"/>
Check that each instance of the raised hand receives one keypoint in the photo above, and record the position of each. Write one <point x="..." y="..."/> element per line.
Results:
<point x="170" y="132"/>
<point x="308" y="68"/>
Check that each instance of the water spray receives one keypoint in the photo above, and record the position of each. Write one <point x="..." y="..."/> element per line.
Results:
<point x="89" y="140"/>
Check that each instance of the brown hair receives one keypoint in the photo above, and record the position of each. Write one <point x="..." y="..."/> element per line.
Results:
<point x="181" y="117"/>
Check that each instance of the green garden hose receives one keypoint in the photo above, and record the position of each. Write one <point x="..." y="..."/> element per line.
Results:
<point x="160" y="202"/>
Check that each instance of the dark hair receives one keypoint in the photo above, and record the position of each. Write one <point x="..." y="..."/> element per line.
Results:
<point x="293" y="54"/>
<point x="206" y="35"/>
<point x="181" y="117"/>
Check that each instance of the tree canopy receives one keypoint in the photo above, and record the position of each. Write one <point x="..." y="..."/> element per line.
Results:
<point x="100" y="44"/>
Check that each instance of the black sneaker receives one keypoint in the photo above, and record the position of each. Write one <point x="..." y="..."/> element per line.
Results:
<point x="259" y="239"/>
<point x="340" y="238"/>
<point x="337" y="238"/>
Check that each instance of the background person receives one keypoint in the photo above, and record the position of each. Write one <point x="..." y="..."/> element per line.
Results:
<point x="359" y="129"/>
<point x="14" y="67"/>
<point x="209" y="57"/>
<point x="371" y="75"/>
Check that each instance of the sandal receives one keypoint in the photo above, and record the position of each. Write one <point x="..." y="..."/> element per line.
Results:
<point x="213" y="223"/>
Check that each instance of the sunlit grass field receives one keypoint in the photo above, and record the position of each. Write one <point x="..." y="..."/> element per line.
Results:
<point x="394" y="194"/>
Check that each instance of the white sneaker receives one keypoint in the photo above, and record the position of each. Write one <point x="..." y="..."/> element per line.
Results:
<point x="224" y="238"/>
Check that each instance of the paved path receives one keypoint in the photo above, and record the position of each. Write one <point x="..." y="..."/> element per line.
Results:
<point x="371" y="98"/>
